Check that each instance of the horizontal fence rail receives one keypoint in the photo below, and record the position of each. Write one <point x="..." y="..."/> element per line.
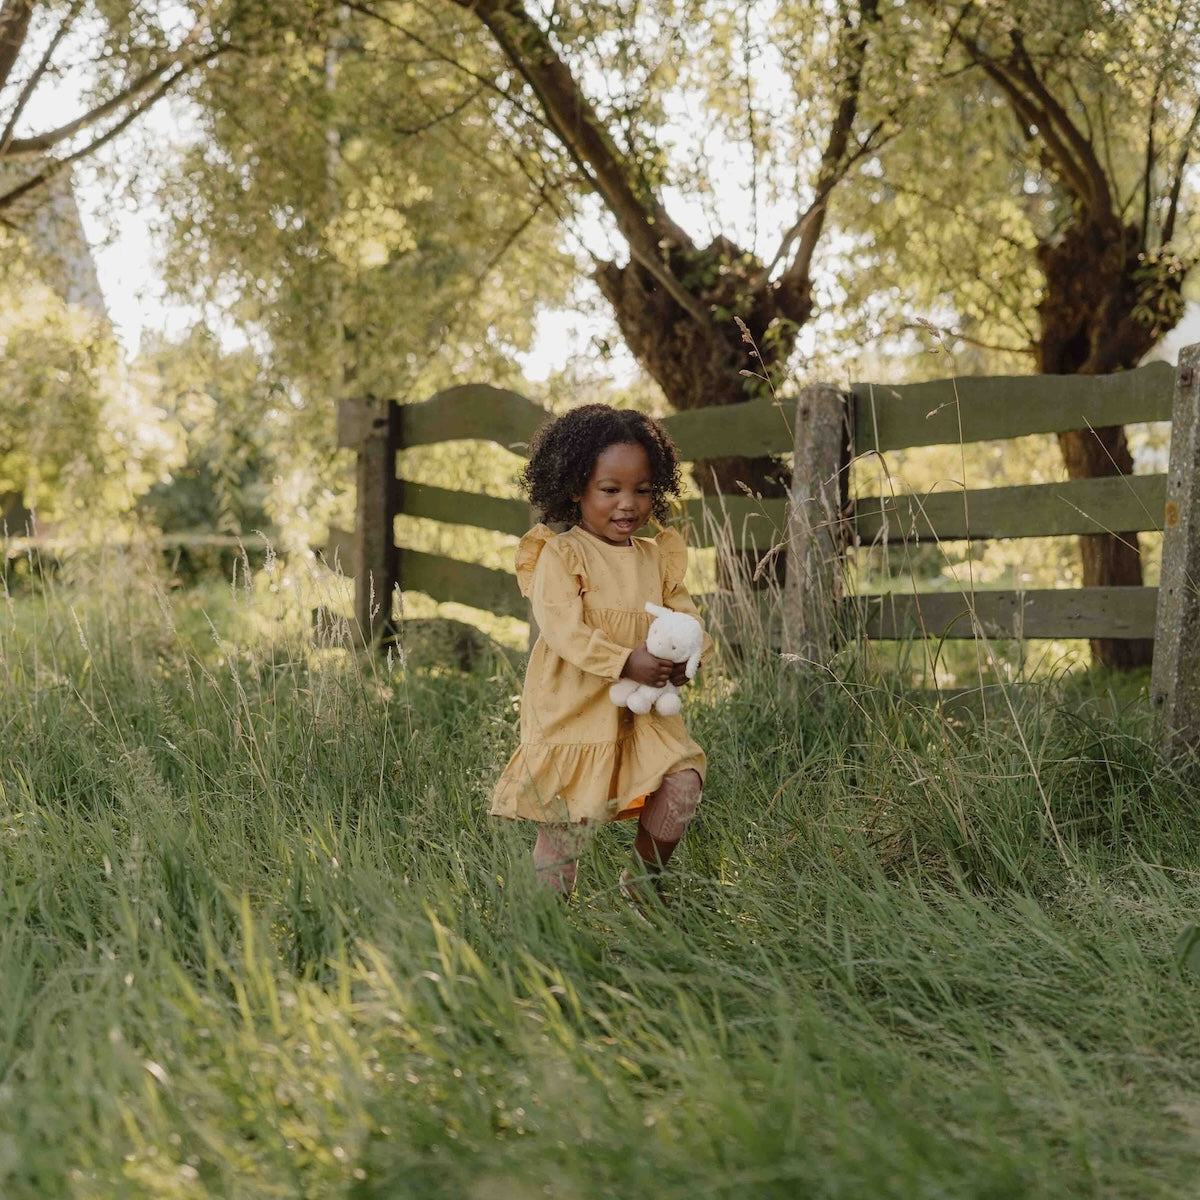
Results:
<point x="1118" y="504"/>
<point x="473" y="410"/>
<point x="1123" y="503"/>
<point x="465" y="508"/>
<point x="887" y="416"/>
<point x="451" y="580"/>
<point x="1098" y="612"/>
<point x="983" y="408"/>
<point x="738" y="521"/>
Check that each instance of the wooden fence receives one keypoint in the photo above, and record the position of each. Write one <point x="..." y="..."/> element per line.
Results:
<point x="824" y="429"/>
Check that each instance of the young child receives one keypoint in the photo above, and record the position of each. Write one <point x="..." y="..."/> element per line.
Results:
<point x="582" y="760"/>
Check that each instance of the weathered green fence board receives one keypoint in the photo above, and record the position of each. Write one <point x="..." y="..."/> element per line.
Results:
<point x="975" y="408"/>
<point x="472" y="410"/>
<point x="757" y="427"/>
<point x="740" y="521"/>
<point x="1119" y="504"/>
<point x="478" y="410"/>
<point x="743" y="520"/>
<point x="466" y="508"/>
<point x="1110" y="612"/>
<point x="888" y="417"/>
<point x="449" y="579"/>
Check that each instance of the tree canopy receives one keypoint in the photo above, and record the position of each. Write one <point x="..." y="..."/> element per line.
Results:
<point x="1037" y="200"/>
<point x="380" y="195"/>
<point x="122" y="56"/>
<point x="1050" y="142"/>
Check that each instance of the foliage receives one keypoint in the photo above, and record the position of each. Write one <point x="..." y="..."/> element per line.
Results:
<point x="120" y="56"/>
<point x="969" y="203"/>
<point x="343" y="203"/>
<point x="427" y="143"/>
<point x="233" y="425"/>
<point x="77" y="440"/>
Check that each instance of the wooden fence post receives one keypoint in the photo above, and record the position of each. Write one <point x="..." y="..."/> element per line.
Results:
<point x="813" y="582"/>
<point x="1175" y="678"/>
<point x="374" y="431"/>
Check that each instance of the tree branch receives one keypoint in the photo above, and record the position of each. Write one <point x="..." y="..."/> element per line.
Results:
<point x="438" y="117"/>
<point x="1031" y="102"/>
<point x="366" y="10"/>
<point x="1036" y="123"/>
<point x="1148" y="170"/>
<point x="641" y="218"/>
<point x="1106" y="139"/>
<point x="542" y="186"/>
<point x="15" y="16"/>
<point x="958" y="335"/>
<point x="57" y="165"/>
<point x="835" y="161"/>
<point x="42" y="142"/>
<point x="35" y="77"/>
<point x="1168" y="231"/>
<point x="751" y="122"/>
<point x="1099" y="191"/>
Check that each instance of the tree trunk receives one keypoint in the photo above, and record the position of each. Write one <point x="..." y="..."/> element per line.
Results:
<point x="701" y="365"/>
<point x="1109" y="559"/>
<point x="1089" y="327"/>
<point x="678" y="304"/>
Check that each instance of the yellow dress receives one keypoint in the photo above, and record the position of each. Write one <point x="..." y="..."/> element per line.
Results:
<point x="582" y="758"/>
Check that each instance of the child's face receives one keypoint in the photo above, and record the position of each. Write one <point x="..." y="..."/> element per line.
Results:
<point x="618" y="496"/>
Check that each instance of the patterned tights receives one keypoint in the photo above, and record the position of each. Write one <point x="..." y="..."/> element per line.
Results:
<point x="556" y="854"/>
<point x="663" y="821"/>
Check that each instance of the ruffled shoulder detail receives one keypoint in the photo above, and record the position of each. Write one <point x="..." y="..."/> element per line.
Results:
<point x="529" y="551"/>
<point x="672" y="550"/>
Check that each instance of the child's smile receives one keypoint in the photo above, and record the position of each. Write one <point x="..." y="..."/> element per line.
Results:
<point x="617" y="499"/>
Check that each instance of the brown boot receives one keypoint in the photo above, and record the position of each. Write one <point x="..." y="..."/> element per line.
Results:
<point x="641" y="888"/>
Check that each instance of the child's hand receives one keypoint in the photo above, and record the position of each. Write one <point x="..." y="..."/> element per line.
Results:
<point x="643" y="667"/>
<point x="679" y="675"/>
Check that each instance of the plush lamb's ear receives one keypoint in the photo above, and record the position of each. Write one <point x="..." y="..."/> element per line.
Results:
<point x="657" y="610"/>
<point x="693" y="665"/>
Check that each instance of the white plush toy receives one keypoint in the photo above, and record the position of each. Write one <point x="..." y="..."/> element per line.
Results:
<point x="672" y="635"/>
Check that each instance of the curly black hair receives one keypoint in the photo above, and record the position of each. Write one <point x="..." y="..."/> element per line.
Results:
<point x="563" y="454"/>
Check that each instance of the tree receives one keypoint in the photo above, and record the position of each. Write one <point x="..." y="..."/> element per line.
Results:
<point x="224" y="416"/>
<point x="444" y="88"/>
<point x="133" y="54"/>
<point x="78" y="440"/>
<point x="1041" y="195"/>
<point x="344" y="204"/>
<point x="391" y="149"/>
<point x="677" y="300"/>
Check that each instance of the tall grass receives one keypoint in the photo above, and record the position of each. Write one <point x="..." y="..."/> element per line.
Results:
<point x="259" y="938"/>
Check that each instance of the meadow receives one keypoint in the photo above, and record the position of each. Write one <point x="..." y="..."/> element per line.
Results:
<point x="259" y="938"/>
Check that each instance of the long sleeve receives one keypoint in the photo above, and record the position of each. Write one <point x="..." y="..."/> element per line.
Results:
<point x="675" y="596"/>
<point x="558" y="609"/>
<point x="680" y="600"/>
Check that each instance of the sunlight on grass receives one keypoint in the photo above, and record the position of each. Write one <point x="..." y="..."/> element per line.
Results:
<point x="258" y="936"/>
